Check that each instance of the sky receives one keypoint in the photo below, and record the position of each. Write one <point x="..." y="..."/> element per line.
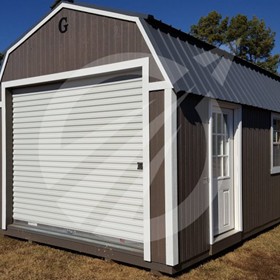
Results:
<point x="18" y="16"/>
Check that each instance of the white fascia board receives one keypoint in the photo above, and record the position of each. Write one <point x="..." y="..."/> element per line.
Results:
<point x="103" y="69"/>
<point x="155" y="86"/>
<point x="96" y="12"/>
<point x="171" y="185"/>
<point x="153" y="52"/>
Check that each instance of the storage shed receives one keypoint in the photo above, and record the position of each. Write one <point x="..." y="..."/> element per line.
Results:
<point x="125" y="138"/>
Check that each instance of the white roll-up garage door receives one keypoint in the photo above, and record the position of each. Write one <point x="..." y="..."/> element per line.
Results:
<point x="75" y="159"/>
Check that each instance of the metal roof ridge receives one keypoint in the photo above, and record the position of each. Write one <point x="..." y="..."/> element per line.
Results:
<point x="113" y="10"/>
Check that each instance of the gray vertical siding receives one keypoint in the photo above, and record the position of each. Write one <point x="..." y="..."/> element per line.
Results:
<point x="157" y="174"/>
<point x="261" y="190"/>
<point x="192" y="177"/>
<point x="91" y="40"/>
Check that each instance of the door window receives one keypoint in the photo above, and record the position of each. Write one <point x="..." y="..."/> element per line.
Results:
<point x="220" y="142"/>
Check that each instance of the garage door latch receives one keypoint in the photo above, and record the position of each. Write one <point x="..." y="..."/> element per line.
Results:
<point x="139" y="165"/>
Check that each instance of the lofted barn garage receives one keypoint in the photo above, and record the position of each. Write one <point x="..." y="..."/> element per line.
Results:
<point x="125" y="138"/>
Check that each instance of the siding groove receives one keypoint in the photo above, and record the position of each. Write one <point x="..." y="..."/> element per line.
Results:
<point x="193" y="189"/>
<point x="261" y="190"/>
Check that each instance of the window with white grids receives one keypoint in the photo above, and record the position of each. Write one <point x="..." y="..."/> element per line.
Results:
<point x="275" y="153"/>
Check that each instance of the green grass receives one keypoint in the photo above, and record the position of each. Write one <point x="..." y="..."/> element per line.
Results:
<point x="258" y="258"/>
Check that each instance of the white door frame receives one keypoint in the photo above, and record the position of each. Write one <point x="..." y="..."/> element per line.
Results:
<point x="237" y="167"/>
<point x="105" y="69"/>
<point x="223" y="180"/>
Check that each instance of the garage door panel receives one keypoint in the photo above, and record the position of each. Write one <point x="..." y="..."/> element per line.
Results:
<point x="108" y="224"/>
<point x="46" y="117"/>
<point x="99" y="105"/>
<point x="76" y="159"/>
<point x="77" y="165"/>
<point x="88" y="96"/>
<point x="73" y="225"/>
<point x="80" y="201"/>
<point x="70" y="209"/>
<point x="80" y="171"/>
<point x="78" y="146"/>
<point x="78" y="103"/>
<point x="67" y="122"/>
<point x="75" y="155"/>
<point x="79" y="110"/>
<point x="50" y="182"/>
<point x="88" y="177"/>
<point x="87" y="140"/>
<point x="90" y="195"/>
<point x="92" y="153"/>
<point x="136" y="190"/>
<point x="87" y="217"/>
<point x="111" y="88"/>
<point x="65" y="135"/>
<point x="82" y="128"/>
<point x="75" y="204"/>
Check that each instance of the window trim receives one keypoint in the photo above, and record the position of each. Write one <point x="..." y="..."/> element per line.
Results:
<point x="273" y="169"/>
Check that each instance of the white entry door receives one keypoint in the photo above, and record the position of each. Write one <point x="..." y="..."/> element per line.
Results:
<point x="222" y="170"/>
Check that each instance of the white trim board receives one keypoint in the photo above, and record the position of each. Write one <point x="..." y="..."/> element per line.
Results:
<point x="273" y="169"/>
<point x="237" y="130"/>
<point x="170" y="170"/>
<point x="144" y="64"/>
<point x="96" y="12"/>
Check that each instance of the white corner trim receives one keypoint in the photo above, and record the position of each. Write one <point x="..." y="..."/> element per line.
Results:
<point x="171" y="185"/>
<point x="238" y="168"/>
<point x="144" y="64"/>
<point x="146" y="163"/>
<point x="4" y="208"/>
<point x="211" y="223"/>
<point x="96" y="12"/>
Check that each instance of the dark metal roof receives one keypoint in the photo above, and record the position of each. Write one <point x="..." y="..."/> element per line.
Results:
<point x="113" y="10"/>
<point x="196" y="67"/>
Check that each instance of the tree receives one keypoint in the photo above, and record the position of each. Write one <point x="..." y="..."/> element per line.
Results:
<point x="249" y="39"/>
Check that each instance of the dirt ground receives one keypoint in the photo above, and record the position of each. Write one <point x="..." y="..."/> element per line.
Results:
<point x="258" y="258"/>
